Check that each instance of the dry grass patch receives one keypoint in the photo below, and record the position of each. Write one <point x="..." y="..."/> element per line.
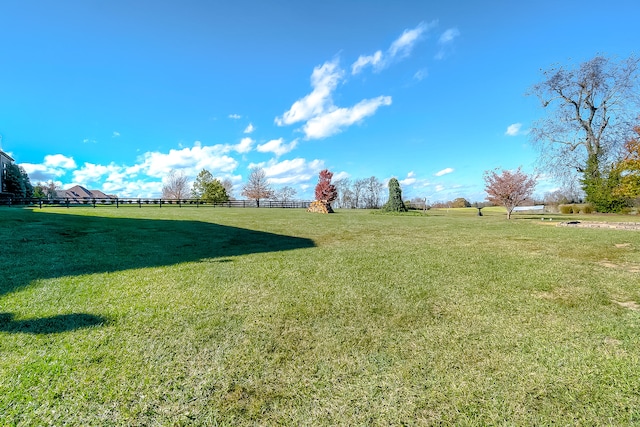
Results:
<point x="631" y="305"/>
<point x="629" y="267"/>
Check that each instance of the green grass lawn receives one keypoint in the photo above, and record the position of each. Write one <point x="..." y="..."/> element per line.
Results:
<point x="214" y="316"/>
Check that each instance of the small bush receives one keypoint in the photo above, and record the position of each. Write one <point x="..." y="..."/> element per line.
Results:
<point x="566" y="209"/>
<point x="626" y="211"/>
<point x="588" y="209"/>
<point x="575" y="209"/>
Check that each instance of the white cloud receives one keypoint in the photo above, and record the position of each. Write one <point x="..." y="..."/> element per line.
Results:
<point x="322" y="117"/>
<point x="92" y="173"/>
<point x="277" y="146"/>
<point x="334" y="121"/>
<point x="403" y="45"/>
<point x="115" y="134"/>
<point x="448" y="36"/>
<point x="137" y="189"/>
<point x="192" y="160"/>
<point x="292" y="171"/>
<point x="421" y="74"/>
<point x="400" y="48"/>
<point x="235" y="116"/>
<point x="446" y="40"/>
<point x="250" y="128"/>
<point x="514" y="129"/>
<point x="89" y="140"/>
<point x="54" y="165"/>
<point x="340" y="175"/>
<point x="143" y="179"/>
<point x="443" y="172"/>
<point x="324" y="80"/>
<point x="245" y="145"/>
<point x="59" y="161"/>
<point x="409" y="180"/>
<point x="439" y="188"/>
<point x="364" y="60"/>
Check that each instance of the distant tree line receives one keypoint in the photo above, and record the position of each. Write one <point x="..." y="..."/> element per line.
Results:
<point x="358" y="193"/>
<point x="460" y="202"/>
<point x="205" y="188"/>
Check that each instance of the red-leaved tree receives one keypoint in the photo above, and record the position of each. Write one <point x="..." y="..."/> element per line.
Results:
<point x="508" y="189"/>
<point x="326" y="191"/>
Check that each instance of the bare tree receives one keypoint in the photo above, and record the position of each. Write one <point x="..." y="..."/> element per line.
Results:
<point x="561" y="196"/>
<point x="51" y="189"/>
<point x="589" y="114"/>
<point x="285" y="194"/>
<point x="257" y="186"/>
<point x="228" y="186"/>
<point x="343" y="188"/>
<point x="508" y="189"/>
<point x="359" y="187"/>
<point x="176" y="185"/>
<point x="373" y="188"/>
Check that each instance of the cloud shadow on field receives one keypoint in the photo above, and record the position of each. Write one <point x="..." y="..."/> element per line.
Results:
<point x="36" y="245"/>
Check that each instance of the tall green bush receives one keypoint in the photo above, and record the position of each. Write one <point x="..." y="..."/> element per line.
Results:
<point x="395" y="203"/>
<point x="600" y="188"/>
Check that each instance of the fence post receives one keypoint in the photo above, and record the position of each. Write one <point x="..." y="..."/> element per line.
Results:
<point x="160" y="204"/>
<point x="67" y="202"/>
<point x="116" y="203"/>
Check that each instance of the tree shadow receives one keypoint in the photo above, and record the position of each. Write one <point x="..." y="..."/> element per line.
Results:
<point x="49" y="325"/>
<point x="35" y="245"/>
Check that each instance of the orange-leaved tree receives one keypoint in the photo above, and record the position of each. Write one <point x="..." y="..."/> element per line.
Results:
<point x="629" y="168"/>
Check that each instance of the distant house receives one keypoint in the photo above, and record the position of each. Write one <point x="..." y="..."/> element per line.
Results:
<point x="79" y="194"/>
<point x="5" y="160"/>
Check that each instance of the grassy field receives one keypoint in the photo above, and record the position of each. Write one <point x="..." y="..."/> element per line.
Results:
<point x="213" y="316"/>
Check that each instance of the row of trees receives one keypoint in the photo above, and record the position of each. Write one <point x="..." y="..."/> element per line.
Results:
<point x="459" y="202"/>
<point x="508" y="189"/>
<point x="205" y="188"/>
<point x="359" y="193"/>
<point x="209" y="189"/>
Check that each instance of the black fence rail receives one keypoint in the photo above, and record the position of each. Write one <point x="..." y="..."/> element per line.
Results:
<point x="140" y="202"/>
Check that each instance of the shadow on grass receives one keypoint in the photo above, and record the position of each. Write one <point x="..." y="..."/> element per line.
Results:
<point x="49" y="325"/>
<point x="36" y="246"/>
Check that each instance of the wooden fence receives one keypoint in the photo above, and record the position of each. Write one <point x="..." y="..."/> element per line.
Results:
<point x="140" y="202"/>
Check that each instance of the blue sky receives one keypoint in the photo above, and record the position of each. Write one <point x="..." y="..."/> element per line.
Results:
<point x="113" y="94"/>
